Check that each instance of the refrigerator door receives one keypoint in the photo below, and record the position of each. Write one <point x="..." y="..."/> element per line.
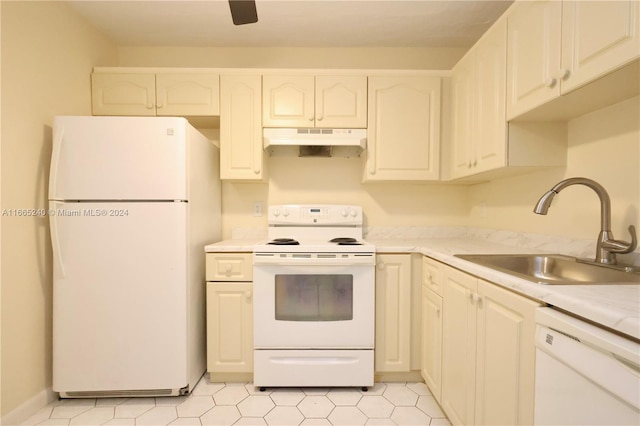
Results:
<point x="119" y="296"/>
<point x="118" y="158"/>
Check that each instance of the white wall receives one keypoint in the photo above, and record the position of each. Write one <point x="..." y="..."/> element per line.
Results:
<point x="47" y="56"/>
<point x="603" y="145"/>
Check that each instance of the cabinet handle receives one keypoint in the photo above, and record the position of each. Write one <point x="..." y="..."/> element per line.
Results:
<point x="438" y="311"/>
<point x="160" y="106"/>
<point x="310" y="118"/>
<point x="256" y="171"/>
<point x="247" y="295"/>
<point x="552" y="82"/>
<point x="566" y="74"/>
<point x="149" y="106"/>
<point x="475" y="298"/>
<point x="380" y="265"/>
<point x="320" y="118"/>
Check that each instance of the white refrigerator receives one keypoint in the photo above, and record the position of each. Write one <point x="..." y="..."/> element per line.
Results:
<point x="132" y="203"/>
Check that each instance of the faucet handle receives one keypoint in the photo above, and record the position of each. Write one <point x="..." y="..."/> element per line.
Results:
<point x="616" y="246"/>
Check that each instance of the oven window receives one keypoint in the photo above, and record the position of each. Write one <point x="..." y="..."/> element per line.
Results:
<point x="314" y="297"/>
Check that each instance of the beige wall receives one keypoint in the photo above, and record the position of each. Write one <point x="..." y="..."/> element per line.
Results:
<point x="603" y="145"/>
<point x="47" y="56"/>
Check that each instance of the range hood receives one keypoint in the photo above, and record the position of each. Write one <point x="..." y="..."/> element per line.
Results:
<point x="313" y="142"/>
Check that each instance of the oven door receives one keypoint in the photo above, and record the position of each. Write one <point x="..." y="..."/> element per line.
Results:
<point x="314" y="306"/>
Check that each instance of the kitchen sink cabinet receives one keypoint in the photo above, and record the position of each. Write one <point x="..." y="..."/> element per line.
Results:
<point x="555" y="47"/>
<point x="241" y="154"/>
<point x="151" y="94"/>
<point x="431" y="365"/>
<point x="229" y="308"/>
<point x="403" y="140"/>
<point x="393" y="313"/>
<point x="488" y="352"/>
<point x="325" y="101"/>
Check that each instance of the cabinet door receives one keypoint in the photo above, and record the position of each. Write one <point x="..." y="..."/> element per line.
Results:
<point x="432" y="341"/>
<point x="404" y="128"/>
<point x="462" y="117"/>
<point x="432" y="275"/>
<point x="288" y="101"/>
<point x="241" y="152"/>
<point x="187" y="94"/>
<point x="490" y="125"/>
<point x="393" y="313"/>
<point x="229" y="327"/>
<point x="597" y="37"/>
<point x="458" y="346"/>
<point x="123" y="94"/>
<point x="533" y="55"/>
<point x="341" y="101"/>
<point x="505" y="357"/>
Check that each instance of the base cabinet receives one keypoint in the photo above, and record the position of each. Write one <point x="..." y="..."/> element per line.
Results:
<point x="393" y="313"/>
<point x="229" y="314"/>
<point x="431" y="368"/>
<point x="488" y="352"/>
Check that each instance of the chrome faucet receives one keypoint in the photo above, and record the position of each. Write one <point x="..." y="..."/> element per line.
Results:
<point x="607" y="246"/>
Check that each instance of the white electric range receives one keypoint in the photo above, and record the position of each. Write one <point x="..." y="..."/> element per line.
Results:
<point x="314" y="299"/>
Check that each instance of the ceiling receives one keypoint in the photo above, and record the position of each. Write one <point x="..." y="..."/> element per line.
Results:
<point x="295" y="23"/>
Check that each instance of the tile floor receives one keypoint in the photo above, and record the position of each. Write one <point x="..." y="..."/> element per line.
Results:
<point x="243" y="404"/>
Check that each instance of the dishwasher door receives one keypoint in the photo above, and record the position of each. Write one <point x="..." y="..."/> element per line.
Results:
<point x="585" y="375"/>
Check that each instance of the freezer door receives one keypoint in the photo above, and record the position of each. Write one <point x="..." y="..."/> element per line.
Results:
<point x="119" y="296"/>
<point x="118" y="158"/>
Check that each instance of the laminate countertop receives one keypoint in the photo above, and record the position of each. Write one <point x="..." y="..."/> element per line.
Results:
<point x="614" y="306"/>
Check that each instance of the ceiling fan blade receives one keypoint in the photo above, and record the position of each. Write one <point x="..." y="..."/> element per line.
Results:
<point x="243" y="11"/>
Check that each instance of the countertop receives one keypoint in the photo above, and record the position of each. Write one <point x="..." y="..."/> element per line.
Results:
<point x="613" y="306"/>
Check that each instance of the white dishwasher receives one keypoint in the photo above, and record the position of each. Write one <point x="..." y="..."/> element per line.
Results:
<point x="585" y="375"/>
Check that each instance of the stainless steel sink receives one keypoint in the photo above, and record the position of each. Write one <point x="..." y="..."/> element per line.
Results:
<point x="553" y="269"/>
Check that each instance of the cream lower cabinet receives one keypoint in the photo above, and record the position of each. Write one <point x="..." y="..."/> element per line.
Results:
<point x="431" y="366"/>
<point x="229" y="315"/>
<point x="242" y="157"/>
<point x="403" y="138"/>
<point x="151" y="94"/>
<point x="555" y="47"/>
<point x="488" y="352"/>
<point x="393" y="313"/>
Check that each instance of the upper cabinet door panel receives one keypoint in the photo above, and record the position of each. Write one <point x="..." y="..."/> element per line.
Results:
<point x="123" y="94"/>
<point x="533" y="55"/>
<point x="288" y="101"/>
<point x="188" y="94"/>
<point x="597" y="37"/>
<point x="341" y="101"/>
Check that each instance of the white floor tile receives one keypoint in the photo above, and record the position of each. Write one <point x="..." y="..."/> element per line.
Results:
<point x="220" y="416"/>
<point x="284" y="416"/>
<point x="256" y="406"/>
<point x="287" y="397"/>
<point x="410" y="416"/>
<point x="347" y="416"/>
<point x="374" y="406"/>
<point x="241" y="404"/>
<point x="316" y="406"/>
<point x="346" y="396"/>
<point x="157" y="416"/>
<point x="195" y="406"/>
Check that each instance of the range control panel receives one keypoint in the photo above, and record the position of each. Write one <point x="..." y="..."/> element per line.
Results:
<point x="315" y="214"/>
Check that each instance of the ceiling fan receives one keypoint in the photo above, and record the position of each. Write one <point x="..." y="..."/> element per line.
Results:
<point x="243" y="11"/>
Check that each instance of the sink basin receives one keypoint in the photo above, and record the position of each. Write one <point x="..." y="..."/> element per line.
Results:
<point x="553" y="269"/>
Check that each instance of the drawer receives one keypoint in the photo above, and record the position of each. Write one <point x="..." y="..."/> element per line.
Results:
<point x="229" y="267"/>
<point x="432" y="275"/>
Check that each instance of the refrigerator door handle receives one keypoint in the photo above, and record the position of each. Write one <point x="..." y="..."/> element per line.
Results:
<point x="58" y="133"/>
<point x="55" y="241"/>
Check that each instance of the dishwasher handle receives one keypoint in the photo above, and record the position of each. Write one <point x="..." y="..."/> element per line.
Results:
<point x="619" y="377"/>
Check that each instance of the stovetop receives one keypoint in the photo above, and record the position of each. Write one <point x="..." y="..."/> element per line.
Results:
<point x="300" y="245"/>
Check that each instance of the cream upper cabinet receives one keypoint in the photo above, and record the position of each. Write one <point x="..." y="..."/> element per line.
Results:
<point x="488" y="352"/>
<point x="393" y="313"/>
<point x="403" y="138"/>
<point x="184" y="94"/>
<point x="328" y="101"/>
<point x="123" y="94"/>
<point x="241" y="153"/>
<point x="479" y="127"/>
<point x="431" y="362"/>
<point x="555" y="47"/>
